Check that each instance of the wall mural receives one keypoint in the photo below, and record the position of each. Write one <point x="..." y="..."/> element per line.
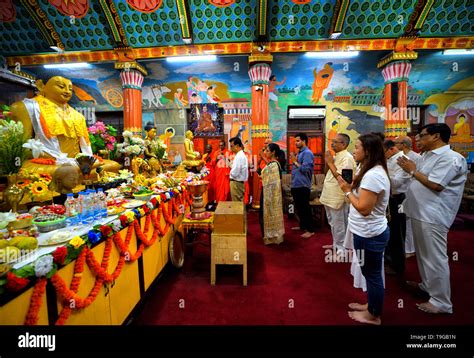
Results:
<point x="351" y="89"/>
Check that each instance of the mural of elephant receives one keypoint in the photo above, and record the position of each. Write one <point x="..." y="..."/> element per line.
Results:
<point x="362" y="122"/>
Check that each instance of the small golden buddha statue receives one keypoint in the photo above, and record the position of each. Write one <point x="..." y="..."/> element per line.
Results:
<point x="151" y="149"/>
<point x="59" y="128"/>
<point x="192" y="157"/>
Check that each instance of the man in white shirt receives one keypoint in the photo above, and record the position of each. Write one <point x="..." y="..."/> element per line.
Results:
<point x="432" y="201"/>
<point x="405" y="144"/>
<point x="240" y="170"/>
<point x="332" y="197"/>
<point x="399" y="181"/>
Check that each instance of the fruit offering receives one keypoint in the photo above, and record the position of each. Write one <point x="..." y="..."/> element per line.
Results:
<point x="53" y="209"/>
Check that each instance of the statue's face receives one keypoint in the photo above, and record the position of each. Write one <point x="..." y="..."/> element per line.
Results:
<point x="189" y="135"/>
<point x="58" y="89"/>
<point x="70" y="180"/>
<point x="152" y="133"/>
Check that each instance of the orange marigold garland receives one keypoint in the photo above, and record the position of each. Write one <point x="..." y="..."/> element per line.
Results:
<point x="35" y="302"/>
<point x="44" y="161"/>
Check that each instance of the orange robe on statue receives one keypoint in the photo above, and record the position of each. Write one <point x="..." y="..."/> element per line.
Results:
<point x="221" y="176"/>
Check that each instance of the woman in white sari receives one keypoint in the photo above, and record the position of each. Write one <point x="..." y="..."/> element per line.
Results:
<point x="271" y="199"/>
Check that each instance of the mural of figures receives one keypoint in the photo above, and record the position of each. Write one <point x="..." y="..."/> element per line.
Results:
<point x="179" y="99"/>
<point x="272" y="91"/>
<point x="321" y="81"/>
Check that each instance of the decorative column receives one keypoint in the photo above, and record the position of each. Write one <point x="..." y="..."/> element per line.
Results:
<point x="395" y="71"/>
<point x="132" y="76"/>
<point x="259" y="73"/>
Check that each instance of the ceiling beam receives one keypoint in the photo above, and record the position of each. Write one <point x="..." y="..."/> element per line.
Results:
<point x="436" y="43"/>
<point x="262" y="35"/>
<point x="44" y="25"/>
<point x="418" y="17"/>
<point x="115" y="25"/>
<point x="185" y="21"/>
<point x="338" y="17"/>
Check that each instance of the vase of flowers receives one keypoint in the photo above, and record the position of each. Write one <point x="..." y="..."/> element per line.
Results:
<point x="132" y="147"/>
<point x="103" y="140"/>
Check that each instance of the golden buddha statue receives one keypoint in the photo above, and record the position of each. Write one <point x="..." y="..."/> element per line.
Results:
<point x="151" y="149"/>
<point x="60" y="132"/>
<point x="192" y="157"/>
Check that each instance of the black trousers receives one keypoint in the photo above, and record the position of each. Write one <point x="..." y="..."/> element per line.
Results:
<point x="303" y="209"/>
<point x="396" y="244"/>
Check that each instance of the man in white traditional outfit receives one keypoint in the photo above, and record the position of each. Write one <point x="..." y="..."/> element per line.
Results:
<point x="432" y="201"/>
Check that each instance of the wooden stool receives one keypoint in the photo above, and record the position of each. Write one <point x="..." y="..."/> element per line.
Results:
<point x="228" y="249"/>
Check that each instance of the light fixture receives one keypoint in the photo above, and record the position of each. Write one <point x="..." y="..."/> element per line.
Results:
<point x="332" y="54"/>
<point x="69" y="65"/>
<point x="56" y="48"/>
<point x="335" y="35"/>
<point x="458" y="52"/>
<point x="192" y="58"/>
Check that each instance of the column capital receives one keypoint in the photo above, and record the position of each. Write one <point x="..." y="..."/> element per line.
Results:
<point x="397" y="56"/>
<point x="129" y="65"/>
<point x="396" y="71"/>
<point x="260" y="73"/>
<point x="131" y="79"/>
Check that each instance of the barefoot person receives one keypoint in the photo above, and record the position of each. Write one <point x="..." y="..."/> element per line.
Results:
<point x="368" y="198"/>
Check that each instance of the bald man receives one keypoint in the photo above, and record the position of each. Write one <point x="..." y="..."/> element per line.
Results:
<point x="404" y="143"/>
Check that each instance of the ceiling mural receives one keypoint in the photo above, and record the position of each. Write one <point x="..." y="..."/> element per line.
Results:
<point x="76" y="8"/>
<point x="300" y="21"/>
<point x="152" y="27"/>
<point x="32" y="26"/>
<point x="145" y="6"/>
<point x="236" y="23"/>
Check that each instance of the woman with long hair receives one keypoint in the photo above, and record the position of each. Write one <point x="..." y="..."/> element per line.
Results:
<point x="368" y="196"/>
<point x="271" y="202"/>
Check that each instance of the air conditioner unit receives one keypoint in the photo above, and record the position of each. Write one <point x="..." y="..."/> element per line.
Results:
<point x="309" y="112"/>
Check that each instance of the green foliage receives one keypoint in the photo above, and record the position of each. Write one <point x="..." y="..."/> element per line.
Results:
<point x="11" y="146"/>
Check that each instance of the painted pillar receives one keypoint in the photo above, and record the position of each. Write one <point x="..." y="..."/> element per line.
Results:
<point x="396" y="121"/>
<point x="259" y="73"/>
<point x="132" y="81"/>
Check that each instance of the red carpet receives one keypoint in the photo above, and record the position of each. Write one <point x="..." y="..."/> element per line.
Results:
<point x="292" y="284"/>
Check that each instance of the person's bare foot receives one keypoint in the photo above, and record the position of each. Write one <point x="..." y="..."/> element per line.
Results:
<point x="365" y="317"/>
<point x="429" y="308"/>
<point x="358" y="306"/>
<point x="307" y="235"/>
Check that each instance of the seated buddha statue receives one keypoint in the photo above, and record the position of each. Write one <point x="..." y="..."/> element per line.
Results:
<point x="59" y="130"/>
<point x="192" y="157"/>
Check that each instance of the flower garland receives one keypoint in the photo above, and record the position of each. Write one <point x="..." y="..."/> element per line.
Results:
<point x="82" y="253"/>
<point x="44" y="161"/>
<point x="35" y="302"/>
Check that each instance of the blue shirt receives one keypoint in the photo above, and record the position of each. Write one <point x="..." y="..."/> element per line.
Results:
<point x="301" y="177"/>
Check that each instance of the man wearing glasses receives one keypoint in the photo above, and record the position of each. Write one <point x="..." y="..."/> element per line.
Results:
<point x="432" y="202"/>
<point x="332" y="196"/>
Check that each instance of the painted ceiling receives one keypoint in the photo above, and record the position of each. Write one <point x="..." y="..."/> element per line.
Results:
<point x="30" y="27"/>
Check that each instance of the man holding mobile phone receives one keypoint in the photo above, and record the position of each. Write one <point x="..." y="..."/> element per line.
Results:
<point x="332" y="196"/>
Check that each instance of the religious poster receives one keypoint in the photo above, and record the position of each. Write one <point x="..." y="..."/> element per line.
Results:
<point x="205" y="120"/>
